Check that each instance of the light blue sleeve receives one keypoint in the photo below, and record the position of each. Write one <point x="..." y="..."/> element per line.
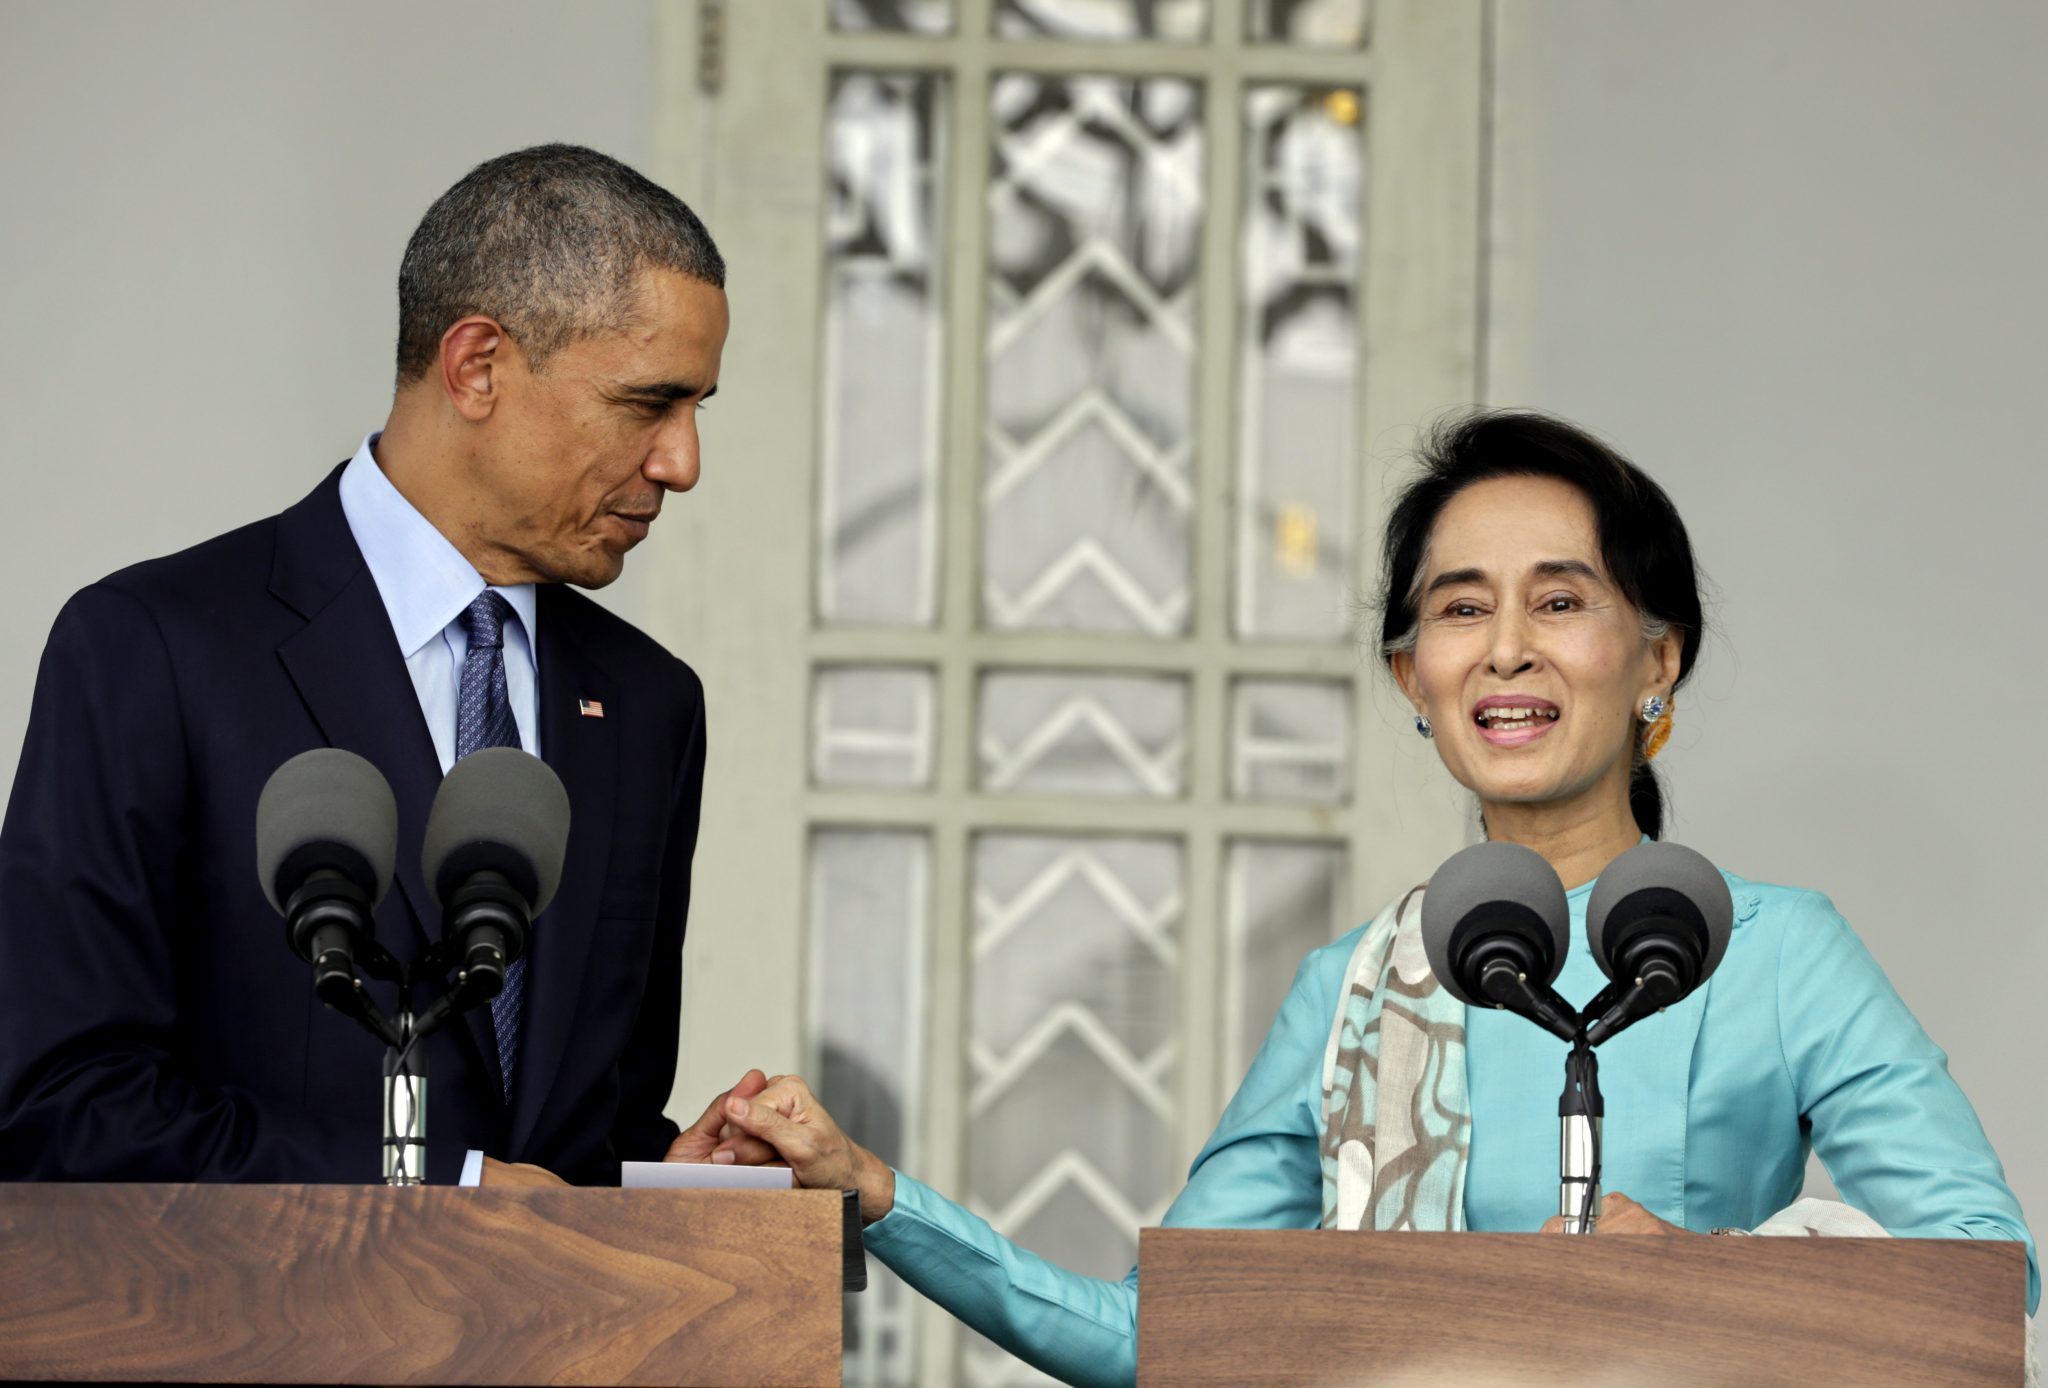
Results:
<point x="1898" y="1138"/>
<point x="1259" y="1170"/>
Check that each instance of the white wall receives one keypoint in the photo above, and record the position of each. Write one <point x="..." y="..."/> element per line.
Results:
<point x="205" y="205"/>
<point x="1789" y="258"/>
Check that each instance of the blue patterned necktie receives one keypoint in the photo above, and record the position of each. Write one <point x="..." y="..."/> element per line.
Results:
<point x="483" y="718"/>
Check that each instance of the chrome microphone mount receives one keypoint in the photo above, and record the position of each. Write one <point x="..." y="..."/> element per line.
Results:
<point x="405" y="1061"/>
<point x="1580" y="1110"/>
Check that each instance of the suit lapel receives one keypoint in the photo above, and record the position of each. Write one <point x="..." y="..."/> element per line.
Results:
<point x="584" y="752"/>
<point x="346" y="665"/>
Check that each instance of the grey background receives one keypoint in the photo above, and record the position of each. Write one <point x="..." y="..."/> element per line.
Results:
<point x="1786" y="255"/>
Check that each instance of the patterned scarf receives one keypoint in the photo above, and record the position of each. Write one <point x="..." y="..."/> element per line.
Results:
<point x="1397" y="1122"/>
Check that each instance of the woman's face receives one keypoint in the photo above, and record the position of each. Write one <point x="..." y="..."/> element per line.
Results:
<point x="1528" y="661"/>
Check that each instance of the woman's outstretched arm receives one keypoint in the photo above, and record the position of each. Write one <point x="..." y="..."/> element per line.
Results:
<point x="1259" y="1170"/>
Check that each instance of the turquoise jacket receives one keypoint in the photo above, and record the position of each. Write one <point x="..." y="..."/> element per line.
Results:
<point x="1797" y="1044"/>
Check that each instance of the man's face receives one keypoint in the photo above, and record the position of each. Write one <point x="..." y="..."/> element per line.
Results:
<point x="581" y="452"/>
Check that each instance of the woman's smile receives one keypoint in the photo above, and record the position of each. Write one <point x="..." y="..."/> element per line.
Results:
<point x="1514" y="720"/>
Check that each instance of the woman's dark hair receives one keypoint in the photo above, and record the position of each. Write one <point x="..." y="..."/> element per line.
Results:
<point x="1643" y="543"/>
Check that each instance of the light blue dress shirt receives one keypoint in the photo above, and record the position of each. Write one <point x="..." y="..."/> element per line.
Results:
<point x="426" y="585"/>
<point x="1798" y="1043"/>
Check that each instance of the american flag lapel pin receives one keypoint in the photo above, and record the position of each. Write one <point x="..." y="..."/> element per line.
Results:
<point x="590" y="708"/>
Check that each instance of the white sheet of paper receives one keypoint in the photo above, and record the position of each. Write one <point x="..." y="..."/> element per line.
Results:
<point x="685" y="1175"/>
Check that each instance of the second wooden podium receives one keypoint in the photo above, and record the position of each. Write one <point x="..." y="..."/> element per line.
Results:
<point x="364" y="1284"/>
<point x="1491" y="1310"/>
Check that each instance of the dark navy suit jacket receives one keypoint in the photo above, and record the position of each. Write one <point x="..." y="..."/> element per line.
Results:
<point x="154" y="1025"/>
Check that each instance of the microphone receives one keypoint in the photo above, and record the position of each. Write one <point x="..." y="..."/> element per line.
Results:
<point x="1495" y="926"/>
<point x="495" y="842"/>
<point x="1658" y="922"/>
<point x="326" y="839"/>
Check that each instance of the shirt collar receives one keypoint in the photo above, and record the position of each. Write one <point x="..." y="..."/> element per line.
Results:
<point x="424" y="580"/>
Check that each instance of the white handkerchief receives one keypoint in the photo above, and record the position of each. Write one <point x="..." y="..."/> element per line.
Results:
<point x="689" y="1175"/>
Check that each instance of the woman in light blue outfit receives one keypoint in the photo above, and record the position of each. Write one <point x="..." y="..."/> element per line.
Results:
<point x="1541" y="612"/>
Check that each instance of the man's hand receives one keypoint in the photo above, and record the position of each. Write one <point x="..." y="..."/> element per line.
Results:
<point x="501" y="1175"/>
<point x="1619" y="1215"/>
<point x="782" y="1120"/>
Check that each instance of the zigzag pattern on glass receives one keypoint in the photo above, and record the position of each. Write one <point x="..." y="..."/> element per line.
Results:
<point x="1095" y="206"/>
<point x="1071" y="1051"/>
<point x="1050" y="732"/>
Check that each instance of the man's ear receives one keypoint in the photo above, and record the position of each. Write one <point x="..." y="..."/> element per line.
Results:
<point x="473" y="358"/>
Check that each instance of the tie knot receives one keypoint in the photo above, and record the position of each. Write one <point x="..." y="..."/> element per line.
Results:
<point x="484" y="619"/>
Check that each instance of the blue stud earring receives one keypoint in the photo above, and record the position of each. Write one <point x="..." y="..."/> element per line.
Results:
<point x="1422" y="726"/>
<point x="1653" y="708"/>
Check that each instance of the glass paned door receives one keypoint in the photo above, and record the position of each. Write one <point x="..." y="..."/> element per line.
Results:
<point x="1026" y="573"/>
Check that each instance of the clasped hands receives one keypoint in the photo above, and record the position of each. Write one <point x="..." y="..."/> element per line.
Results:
<point x="760" y="1122"/>
<point x="766" y="1122"/>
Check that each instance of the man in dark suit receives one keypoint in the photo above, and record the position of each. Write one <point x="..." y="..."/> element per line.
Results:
<point x="561" y="320"/>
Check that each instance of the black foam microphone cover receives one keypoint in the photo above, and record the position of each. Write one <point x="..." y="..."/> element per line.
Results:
<point x="325" y="810"/>
<point x="1662" y="898"/>
<point x="1494" y="900"/>
<point x="500" y="810"/>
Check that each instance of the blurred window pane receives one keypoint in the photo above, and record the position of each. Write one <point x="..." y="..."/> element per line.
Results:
<point x="1179" y="20"/>
<point x="878" y="466"/>
<point x="894" y="16"/>
<point x="1281" y="900"/>
<point x="1290" y="740"/>
<point x="1095" y="212"/>
<point x="869" y="918"/>
<point x="871" y="725"/>
<point x="1298" y="363"/>
<point x="1311" y="23"/>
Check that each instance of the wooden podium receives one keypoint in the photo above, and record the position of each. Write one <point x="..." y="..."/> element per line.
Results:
<point x="1480" y="1310"/>
<point x="366" y="1284"/>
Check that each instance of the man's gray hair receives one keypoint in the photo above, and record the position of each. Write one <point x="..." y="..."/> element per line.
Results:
<point x="549" y="241"/>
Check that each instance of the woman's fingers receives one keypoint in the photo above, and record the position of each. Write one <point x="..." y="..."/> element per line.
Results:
<point x="1618" y="1215"/>
<point x="764" y="1122"/>
<point x="1621" y="1215"/>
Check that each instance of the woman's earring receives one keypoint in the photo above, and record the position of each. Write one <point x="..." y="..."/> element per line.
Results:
<point x="1657" y="726"/>
<point x="1422" y="726"/>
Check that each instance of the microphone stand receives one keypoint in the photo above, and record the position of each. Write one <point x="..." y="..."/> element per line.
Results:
<point x="405" y="1101"/>
<point x="1580" y="1111"/>
<point x="1504" y="981"/>
<point x="405" y="1060"/>
<point x="1645" y="988"/>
